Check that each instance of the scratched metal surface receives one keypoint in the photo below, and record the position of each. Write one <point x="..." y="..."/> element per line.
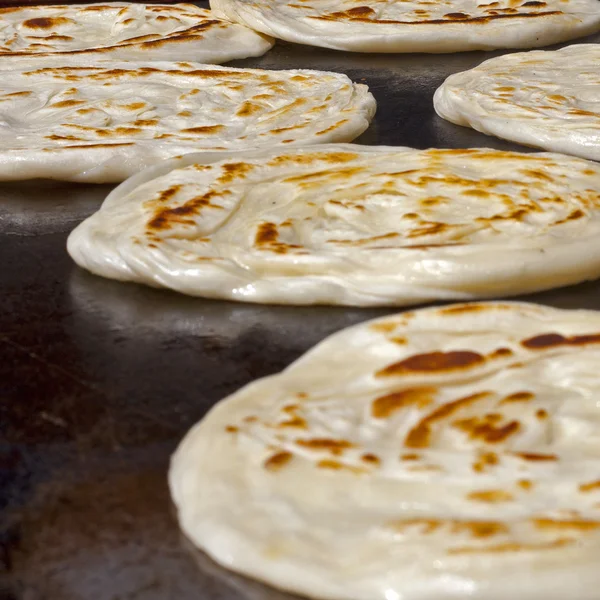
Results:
<point x="99" y="380"/>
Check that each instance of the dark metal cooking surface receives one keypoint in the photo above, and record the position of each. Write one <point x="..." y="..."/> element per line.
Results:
<point x="99" y="380"/>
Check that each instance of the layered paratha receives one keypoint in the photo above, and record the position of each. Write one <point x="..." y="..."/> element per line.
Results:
<point x="445" y="453"/>
<point x="104" y="123"/>
<point x="549" y="100"/>
<point x="353" y="225"/>
<point x="416" y="25"/>
<point x="127" y="31"/>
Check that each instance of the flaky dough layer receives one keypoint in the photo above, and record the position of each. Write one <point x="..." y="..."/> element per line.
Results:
<point x="446" y="453"/>
<point x="351" y="225"/>
<point x="417" y="25"/>
<point x="127" y="31"/>
<point x="103" y="123"/>
<point x="543" y="99"/>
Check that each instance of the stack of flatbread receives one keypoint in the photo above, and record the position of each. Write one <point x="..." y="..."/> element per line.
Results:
<point x="440" y="454"/>
<point x="95" y="93"/>
<point x="416" y="25"/>
<point x="127" y="31"/>
<point x="546" y="99"/>
<point x="354" y="225"/>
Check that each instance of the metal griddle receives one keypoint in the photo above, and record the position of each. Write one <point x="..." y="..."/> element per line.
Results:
<point x="99" y="380"/>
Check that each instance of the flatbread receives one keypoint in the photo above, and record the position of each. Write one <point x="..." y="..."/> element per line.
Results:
<point x="416" y="25"/>
<point x="549" y="100"/>
<point x="127" y="31"/>
<point x="105" y="123"/>
<point x="353" y="225"/>
<point x="446" y="453"/>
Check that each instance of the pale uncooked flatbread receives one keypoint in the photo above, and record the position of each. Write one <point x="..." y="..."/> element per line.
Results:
<point x="349" y="224"/>
<point x="416" y="25"/>
<point x="127" y="31"/>
<point x="550" y="100"/>
<point x="105" y="123"/>
<point x="446" y="453"/>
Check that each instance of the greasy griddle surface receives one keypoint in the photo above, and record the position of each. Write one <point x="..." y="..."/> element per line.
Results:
<point x="100" y="380"/>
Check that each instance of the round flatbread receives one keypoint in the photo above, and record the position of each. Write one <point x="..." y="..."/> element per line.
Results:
<point x="354" y="225"/>
<point x="105" y="123"/>
<point x="446" y="453"/>
<point x="549" y="100"/>
<point x="127" y="31"/>
<point x="417" y="25"/>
